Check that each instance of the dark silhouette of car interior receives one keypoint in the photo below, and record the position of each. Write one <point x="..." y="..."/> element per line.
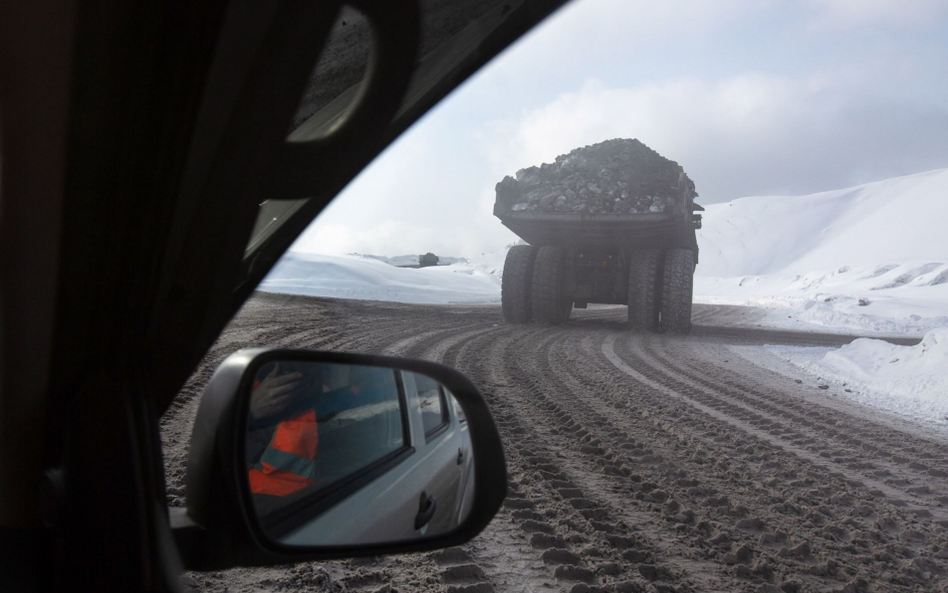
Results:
<point x="156" y="160"/>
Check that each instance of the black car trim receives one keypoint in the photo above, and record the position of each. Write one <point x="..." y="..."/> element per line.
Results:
<point x="445" y="418"/>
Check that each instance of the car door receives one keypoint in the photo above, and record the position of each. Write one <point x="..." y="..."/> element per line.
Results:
<point x="441" y="449"/>
<point x="465" y="461"/>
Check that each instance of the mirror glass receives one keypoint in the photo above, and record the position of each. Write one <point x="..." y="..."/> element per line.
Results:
<point x="340" y="454"/>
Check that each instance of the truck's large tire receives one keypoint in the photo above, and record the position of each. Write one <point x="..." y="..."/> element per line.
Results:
<point x="516" y="283"/>
<point x="550" y="303"/>
<point x="644" y="268"/>
<point x="677" y="288"/>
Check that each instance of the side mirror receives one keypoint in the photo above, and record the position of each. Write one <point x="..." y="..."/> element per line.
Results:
<point x="304" y="455"/>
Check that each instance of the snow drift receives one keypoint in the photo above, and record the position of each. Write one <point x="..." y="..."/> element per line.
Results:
<point x="909" y="380"/>
<point x="872" y="257"/>
<point x="366" y="278"/>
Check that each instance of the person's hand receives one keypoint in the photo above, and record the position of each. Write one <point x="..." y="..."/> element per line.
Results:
<point x="273" y="394"/>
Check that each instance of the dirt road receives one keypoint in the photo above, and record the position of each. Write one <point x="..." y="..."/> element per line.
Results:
<point x="637" y="463"/>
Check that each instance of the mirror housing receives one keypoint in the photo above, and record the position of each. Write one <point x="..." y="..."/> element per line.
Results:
<point x="219" y="528"/>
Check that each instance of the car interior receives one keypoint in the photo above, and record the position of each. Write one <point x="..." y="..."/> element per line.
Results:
<point x="156" y="159"/>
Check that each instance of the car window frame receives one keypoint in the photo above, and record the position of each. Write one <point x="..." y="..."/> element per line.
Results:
<point x="445" y="423"/>
<point x="456" y="406"/>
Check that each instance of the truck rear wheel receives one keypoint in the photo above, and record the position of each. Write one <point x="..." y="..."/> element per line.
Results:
<point x="550" y="304"/>
<point x="515" y="284"/>
<point x="644" y="267"/>
<point x="677" y="288"/>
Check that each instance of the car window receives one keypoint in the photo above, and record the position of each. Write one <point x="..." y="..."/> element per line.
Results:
<point x="434" y="411"/>
<point x="458" y="410"/>
<point x="797" y="260"/>
<point x="341" y="68"/>
<point x="343" y="421"/>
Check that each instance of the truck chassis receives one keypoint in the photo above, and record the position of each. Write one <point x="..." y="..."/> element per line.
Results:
<point x="644" y="261"/>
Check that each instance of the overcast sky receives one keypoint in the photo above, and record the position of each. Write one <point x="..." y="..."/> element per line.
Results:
<point x="751" y="97"/>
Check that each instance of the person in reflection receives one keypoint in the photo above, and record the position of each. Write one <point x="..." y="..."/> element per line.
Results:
<point x="283" y="441"/>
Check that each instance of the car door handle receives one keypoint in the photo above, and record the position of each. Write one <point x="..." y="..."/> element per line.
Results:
<point x="460" y="456"/>
<point x="426" y="510"/>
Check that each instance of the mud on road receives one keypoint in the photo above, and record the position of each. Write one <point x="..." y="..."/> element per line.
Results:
<point x="637" y="462"/>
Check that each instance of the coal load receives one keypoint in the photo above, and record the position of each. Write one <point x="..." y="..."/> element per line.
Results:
<point x="618" y="176"/>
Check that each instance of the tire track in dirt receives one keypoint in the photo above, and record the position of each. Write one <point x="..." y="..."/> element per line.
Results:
<point x="916" y="470"/>
<point x="588" y="543"/>
<point x="669" y="503"/>
<point x="509" y="560"/>
<point x="908" y="545"/>
<point x="718" y="473"/>
<point x="686" y="485"/>
<point x="803" y="439"/>
<point x="520" y="550"/>
<point x="601" y="468"/>
<point x="742" y="373"/>
<point x="259" y="325"/>
<point x="618" y="481"/>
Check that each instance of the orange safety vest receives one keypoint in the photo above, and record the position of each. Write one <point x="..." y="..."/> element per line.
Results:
<point x="288" y="464"/>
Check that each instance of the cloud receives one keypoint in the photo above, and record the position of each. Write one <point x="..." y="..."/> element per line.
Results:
<point x="836" y="14"/>
<point x="751" y="97"/>
<point x="744" y="135"/>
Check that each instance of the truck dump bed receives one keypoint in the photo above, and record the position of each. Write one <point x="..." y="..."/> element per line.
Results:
<point x="612" y="197"/>
<point x="610" y="233"/>
<point x="612" y="222"/>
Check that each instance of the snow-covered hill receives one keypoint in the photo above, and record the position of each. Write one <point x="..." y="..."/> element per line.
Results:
<point x="892" y="221"/>
<point x="872" y="257"/>
<point x="368" y="278"/>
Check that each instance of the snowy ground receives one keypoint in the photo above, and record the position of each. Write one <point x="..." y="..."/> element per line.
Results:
<point x="368" y="278"/>
<point x="871" y="258"/>
<point x="908" y="381"/>
<point x="892" y="299"/>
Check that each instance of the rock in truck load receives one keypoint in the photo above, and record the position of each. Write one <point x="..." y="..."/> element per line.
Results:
<point x="620" y="176"/>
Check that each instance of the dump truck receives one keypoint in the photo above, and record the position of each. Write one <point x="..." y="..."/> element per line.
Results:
<point x="618" y="240"/>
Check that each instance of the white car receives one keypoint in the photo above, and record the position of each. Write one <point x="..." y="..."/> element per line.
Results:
<point x="394" y="459"/>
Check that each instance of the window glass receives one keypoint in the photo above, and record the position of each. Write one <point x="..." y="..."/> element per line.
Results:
<point x="458" y="410"/>
<point x="431" y="402"/>
<point x="312" y="425"/>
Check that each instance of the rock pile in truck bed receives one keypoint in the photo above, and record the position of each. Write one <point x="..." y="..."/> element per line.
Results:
<point x="618" y="176"/>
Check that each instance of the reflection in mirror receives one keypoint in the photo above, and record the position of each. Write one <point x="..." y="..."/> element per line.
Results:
<point x="341" y="454"/>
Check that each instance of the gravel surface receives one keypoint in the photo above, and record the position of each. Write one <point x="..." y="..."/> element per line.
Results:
<point x="637" y="462"/>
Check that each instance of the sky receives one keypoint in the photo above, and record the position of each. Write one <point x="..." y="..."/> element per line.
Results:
<point x="751" y="97"/>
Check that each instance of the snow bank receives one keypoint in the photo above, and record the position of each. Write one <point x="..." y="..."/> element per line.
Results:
<point x="354" y="277"/>
<point x="908" y="380"/>
<point x="871" y="258"/>
<point x="408" y="260"/>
